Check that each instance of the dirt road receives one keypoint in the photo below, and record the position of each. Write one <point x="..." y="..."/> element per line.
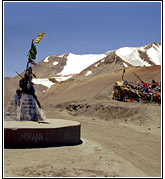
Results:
<point x="108" y="150"/>
<point x="142" y="150"/>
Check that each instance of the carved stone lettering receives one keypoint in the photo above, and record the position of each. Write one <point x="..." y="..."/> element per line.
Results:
<point x="23" y="108"/>
<point x="33" y="137"/>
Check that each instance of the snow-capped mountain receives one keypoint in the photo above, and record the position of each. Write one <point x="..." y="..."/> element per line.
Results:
<point x="141" y="56"/>
<point x="76" y="63"/>
<point x="57" y="68"/>
<point x="66" y="77"/>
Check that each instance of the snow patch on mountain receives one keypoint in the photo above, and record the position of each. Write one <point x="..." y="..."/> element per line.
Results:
<point x="62" y="78"/>
<point x="155" y="54"/>
<point x="46" y="59"/>
<point x="131" y="56"/>
<point x="88" y="73"/>
<point x="125" y="64"/>
<point x="97" y="65"/>
<point x="43" y="81"/>
<point x="55" y="63"/>
<point x="77" y="63"/>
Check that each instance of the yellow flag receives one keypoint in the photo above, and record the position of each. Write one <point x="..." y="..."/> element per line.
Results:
<point x="118" y="83"/>
<point x="40" y="36"/>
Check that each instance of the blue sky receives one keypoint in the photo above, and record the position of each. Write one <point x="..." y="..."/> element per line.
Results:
<point x="76" y="27"/>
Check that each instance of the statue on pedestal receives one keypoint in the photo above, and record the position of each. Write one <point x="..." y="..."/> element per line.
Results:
<point x="24" y="105"/>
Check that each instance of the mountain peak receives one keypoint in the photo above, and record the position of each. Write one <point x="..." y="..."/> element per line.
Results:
<point x="64" y="66"/>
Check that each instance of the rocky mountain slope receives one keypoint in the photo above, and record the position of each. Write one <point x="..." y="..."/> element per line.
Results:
<point x="58" y="68"/>
<point x="69" y="76"/>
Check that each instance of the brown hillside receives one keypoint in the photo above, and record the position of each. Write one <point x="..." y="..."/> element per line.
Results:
<point x="98" y="85"/>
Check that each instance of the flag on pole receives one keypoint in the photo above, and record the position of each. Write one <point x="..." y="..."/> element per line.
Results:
<point x="40" y="36"/>
<point x="145" y="84"/>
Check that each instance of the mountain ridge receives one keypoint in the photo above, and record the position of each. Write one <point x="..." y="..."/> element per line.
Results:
<point x="50" y="76"/>
<point x="64" y="66"/>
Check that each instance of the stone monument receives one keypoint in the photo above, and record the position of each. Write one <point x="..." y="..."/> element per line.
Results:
<point x="24" y="105"/>
<point x="25" y="124"/>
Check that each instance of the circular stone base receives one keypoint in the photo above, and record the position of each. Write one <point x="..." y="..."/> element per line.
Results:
<point x="51" y="132"/>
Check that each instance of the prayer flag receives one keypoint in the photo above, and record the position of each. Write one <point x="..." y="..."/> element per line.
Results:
<point x="40" y="36"/>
